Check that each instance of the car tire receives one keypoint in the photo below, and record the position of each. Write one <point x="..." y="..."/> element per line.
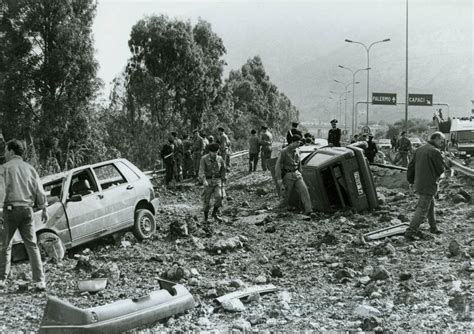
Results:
<point x="145" y="224"/>
<point x="51" y="246"/>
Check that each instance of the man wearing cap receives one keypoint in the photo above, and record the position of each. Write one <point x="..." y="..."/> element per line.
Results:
<point x="266" y="140"/>
<point x="403" y="147"/>
<point x="198" y="149"/>
<point x="254" y="149"/>
<point x="178" y="155"/>
<point x="334" y="135"/>
<point x="293" y="131"/>
<point x="288" y="173"/>
<point x="212" y="173"/>
<point x="23" y="191"/>
<point x="224" y="146"/>
<point x="424" y="171"/>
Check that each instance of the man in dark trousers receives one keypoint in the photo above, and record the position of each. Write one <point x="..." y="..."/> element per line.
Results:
<point x="254" y="149"/>
<point x="212" y="173"/>
<point x="168" y="156"/>
<point x="178" y="155"/>
<point x="424" y="171"/>
<point x="371" y="149"/>
<point x="23" y="191"/>
<point x="334" y="135"/>
<point x="404" y="147"/>
<point x="292" y="132"/>
<point x="188" y="168"/>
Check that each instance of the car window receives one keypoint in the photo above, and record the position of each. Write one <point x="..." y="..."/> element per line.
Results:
<point x="82" y="183"/>
<point x="129" y="174"/>
<point x="109" y="176"/>
<point x="53" y="191"/>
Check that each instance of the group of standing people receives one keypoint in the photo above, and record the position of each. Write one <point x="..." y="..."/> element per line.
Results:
<point x="182" y="156"/>
<point x="334" y="140"/>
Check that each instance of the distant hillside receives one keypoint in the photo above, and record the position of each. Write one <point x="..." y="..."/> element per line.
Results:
<point x="447" y="76"/>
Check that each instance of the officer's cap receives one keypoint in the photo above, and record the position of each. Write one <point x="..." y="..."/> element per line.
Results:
<point x="294" y="124"/>
<point x="334" y="121"/>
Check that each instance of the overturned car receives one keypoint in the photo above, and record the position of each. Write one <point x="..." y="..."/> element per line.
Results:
<point x="89" y="202"/>
<point x="338" y="178"/>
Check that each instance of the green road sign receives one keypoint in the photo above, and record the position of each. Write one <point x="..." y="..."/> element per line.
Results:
<point x="384" y="98"/>
<point x="420" y="99"/>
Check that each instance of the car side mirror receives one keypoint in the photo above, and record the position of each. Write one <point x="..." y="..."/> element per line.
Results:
<point x="75" y="198"/>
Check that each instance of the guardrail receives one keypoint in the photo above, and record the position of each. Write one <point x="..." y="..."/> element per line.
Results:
<point x="458" y="166"/>
<point x="161" y="172"/>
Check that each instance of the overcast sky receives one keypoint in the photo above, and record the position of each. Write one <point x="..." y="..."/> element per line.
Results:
<point x="292" y="36"/>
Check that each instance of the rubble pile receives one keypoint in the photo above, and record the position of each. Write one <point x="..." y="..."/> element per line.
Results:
<point x="328" y="277"/>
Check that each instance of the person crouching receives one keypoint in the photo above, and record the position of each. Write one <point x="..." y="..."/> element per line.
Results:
<point x="212" y="173"/>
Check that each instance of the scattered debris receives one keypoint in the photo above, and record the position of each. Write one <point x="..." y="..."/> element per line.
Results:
<point x="60" y="316"/>
<point x="223" y="245"/>
<point x="92" y="285"/>
<point x="261" y="289"/>
<point x="454" y="248"/>
<point x="233" y="305"/>
<point x="386" y="232"/>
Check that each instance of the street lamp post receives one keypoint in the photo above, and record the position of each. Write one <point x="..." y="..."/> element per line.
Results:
<point x="345" y="104"/>
<point x="354" y="114"/>
<point x="345" y="111"/>
<point x="367" y="49"/>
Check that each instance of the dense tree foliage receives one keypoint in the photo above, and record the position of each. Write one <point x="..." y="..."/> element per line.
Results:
<point x="173" y="80"/>
<point x="48" y="77"/>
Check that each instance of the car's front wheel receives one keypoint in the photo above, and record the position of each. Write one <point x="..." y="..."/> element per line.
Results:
<point x="145" y="224"/>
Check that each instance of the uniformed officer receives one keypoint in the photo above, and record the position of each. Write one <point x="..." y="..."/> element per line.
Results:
<point x="212" y="173"/>
<point x="292" y="132"/>
<point x="334" y="135"/>
<point x="288" y="173"/>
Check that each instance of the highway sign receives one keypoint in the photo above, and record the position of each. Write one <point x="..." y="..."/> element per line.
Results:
<point x="384" y="98"/>
<point x="420" y="99"/>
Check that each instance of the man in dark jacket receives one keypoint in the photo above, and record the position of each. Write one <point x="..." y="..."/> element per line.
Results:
<point x="424" y="171"/>
<point x="294" y="131"/>
<point x="178" y="155"/>
<point x="334" y="135"/>
<point x="371" y="149"/>
<point x="404" y="147"/>
<point x="168" y="156"/>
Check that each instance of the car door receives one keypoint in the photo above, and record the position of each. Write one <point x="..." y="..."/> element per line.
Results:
<point x="85" y="207"/>
<point x="119" y="196"/>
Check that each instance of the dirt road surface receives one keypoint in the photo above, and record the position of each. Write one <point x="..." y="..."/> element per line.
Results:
<point x="328" y="277"/>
